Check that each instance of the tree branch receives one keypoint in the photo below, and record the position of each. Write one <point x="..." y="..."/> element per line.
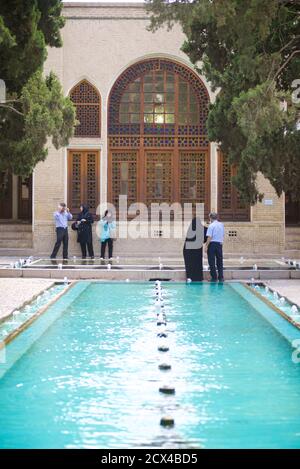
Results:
<point x="11" y="108"/>
<point x="288" y="44"/>
<point x="285" y="63"/>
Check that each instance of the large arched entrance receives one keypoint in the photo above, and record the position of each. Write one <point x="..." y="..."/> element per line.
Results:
<point x="158" y="145"/>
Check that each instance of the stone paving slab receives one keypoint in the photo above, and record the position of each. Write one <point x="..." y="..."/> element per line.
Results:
<point x="290" y="289"/>
<point x="16" y="291"/>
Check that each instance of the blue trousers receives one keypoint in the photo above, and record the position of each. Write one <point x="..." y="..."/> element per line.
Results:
<point x="215" y="257"/>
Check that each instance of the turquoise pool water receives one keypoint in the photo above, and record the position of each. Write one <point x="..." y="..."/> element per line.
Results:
<point x="90" y="379"/>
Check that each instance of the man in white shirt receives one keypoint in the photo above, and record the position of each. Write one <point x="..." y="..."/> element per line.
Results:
<point x="61" y="218"/>
<point x="215" y="239"/>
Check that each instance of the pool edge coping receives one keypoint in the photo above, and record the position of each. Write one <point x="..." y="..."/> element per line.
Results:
<point x="38" y="313"/>
<point x="272" y="306"/>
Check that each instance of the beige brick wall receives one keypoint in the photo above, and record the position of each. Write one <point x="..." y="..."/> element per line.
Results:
<point x="266" y="232"/>
<point x="100" y="42"/>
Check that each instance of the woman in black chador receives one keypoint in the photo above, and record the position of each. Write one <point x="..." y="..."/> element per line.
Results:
<point x="193" y="250"/>
<point x="84" y="233"/>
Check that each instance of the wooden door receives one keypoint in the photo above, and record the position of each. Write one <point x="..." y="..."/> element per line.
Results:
<point x="83" y="179"/>
<point x="5" y="196"/>
<point x="159" y="177"/>
<point x="25" y="198"/>
<point x="123" y="168"/>
<point x="195" y="178"/>
<point x="292" y="211"/>
<point x="230" y="206"/>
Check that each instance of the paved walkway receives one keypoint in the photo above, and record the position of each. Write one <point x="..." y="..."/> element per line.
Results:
<point x="289" y="289"/>
<point x="16" y="291"/>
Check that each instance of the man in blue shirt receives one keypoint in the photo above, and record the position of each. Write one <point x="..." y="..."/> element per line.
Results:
<point x="61" y="217"/>
<point x="215" y="239"/>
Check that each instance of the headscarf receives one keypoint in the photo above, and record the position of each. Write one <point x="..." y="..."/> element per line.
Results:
<point x="84" y="212"/>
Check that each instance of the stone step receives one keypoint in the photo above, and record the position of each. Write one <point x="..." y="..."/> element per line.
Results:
<point x="292" y="246"/>
<point x="292" y="236"/>
<point x="15" y="227"/>
<point x="15" y="235"/>
<point x="16" y="252"/>
<point x="292" y="254"/>
<point x="292" y="229"/>
<point x="15" y="243"/>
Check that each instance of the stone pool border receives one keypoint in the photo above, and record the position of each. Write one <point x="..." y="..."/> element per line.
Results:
<point x="33" y="318"/>
<point x="144" y="275"/>
<point x="271" y="305"/>
<point x="268" y="312"/>
<point x="26" y="302"/>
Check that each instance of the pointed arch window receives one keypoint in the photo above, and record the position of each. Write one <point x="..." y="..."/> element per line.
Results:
<point x="157" y="136"/>
<point x="88" y="109"/>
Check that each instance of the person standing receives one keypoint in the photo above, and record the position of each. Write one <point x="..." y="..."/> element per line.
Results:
<point x="108" y="226"/>
<point x="84" y="231"/>
<point x="193" y="250"/>
<point x="215" y="239"/>
<point x="61" y="218"/>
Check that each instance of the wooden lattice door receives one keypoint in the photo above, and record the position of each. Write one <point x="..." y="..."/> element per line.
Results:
<point x="25" y="198"/>
<point x="230" y="205"/>
<point x="159" y="177"/>
<point x="194" y="177"/>
<point x="123" y="168"/>
<point x="83" y="179"/>
<point x="5" y="195"/>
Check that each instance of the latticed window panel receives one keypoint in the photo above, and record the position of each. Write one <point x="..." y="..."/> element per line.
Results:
<point x="124" y="176"/>
<point x="192" y="142"/>
<point x="91" y="181"/>
<point x="159" y="177"/>
<point x="158" y="108"/>
<point x="87" y="101"/>
<point x="124" y="141"/>
<point x="159" y="141"/>
<point x="193" y="177"/>
<point x="76" y="180"/>
<point x="83" y="180"/>
<point x="231" y="206"/>
<point x="161" y="95"/>
<point x="226" y="195"/>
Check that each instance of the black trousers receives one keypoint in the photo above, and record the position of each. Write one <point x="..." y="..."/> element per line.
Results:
<point x="62" y="236"/>
<point x="108" y="241"/>
<point x="90" y="248"/>
<point x="215" y="256"/>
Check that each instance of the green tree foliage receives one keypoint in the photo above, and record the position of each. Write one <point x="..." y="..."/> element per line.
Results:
<point x="249" y="50"/>
<point x="35" y="110"/>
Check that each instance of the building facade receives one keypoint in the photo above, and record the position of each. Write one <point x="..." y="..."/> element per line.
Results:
<point x="142" y="109"/>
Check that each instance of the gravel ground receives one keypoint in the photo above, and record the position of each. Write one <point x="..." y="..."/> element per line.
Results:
<point x="15" y="291"/>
